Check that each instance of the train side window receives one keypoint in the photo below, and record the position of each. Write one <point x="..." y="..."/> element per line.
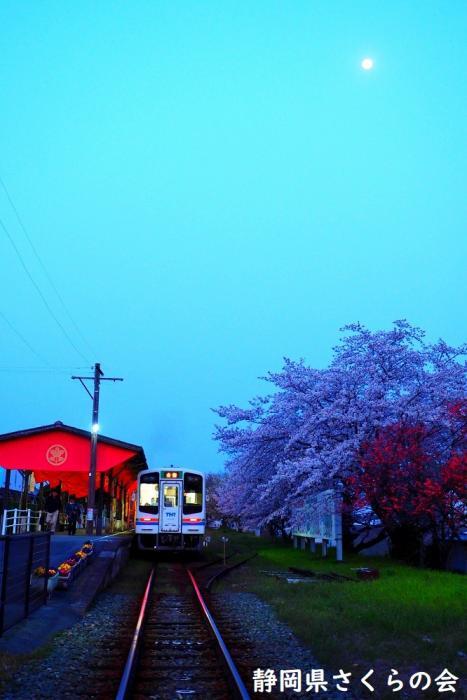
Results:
<point x="192" y="493"/>
<point x="149" y="493"/>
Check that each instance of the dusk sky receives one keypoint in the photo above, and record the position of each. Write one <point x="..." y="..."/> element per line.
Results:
<point x="213" y="186"/>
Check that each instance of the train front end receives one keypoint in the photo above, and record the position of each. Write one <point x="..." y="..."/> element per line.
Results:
<point x="170" y="510"/>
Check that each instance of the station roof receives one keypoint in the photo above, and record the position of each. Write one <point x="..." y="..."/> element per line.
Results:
<point x="61" y="453"/>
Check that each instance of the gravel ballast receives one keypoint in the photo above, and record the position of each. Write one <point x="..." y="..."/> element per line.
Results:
<point x="87" y="659"/>
<point x="259" y="640"/>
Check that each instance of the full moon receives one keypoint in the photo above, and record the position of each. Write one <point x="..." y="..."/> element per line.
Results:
<point x="367" y="63"/>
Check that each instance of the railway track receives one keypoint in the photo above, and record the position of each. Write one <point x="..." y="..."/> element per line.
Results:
<point x="210" y="573"/>
<point x="177" y="650"/>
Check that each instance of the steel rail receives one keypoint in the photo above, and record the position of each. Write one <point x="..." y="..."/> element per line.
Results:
<point x="227" y="570"/>
<point x="124" y="686"/>
<point x="240" y="686"/>
<point x="217" y="560"/>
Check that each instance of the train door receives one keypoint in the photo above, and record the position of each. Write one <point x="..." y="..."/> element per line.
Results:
<point x="170" y="510"/>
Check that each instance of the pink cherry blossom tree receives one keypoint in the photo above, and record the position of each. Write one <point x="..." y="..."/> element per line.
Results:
<point x="306" y="433"/>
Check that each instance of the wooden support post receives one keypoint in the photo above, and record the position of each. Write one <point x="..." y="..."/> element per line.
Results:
<point x="100" y="504"/>
<point x="23" y="503"/>
<point x="112" y="504"/>
<point x="6" y="490"/>
<point x="338" y="524"/>
<point x="122" y="505"/>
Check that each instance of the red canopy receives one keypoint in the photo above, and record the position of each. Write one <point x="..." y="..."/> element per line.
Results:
<point x="60" y="453"/>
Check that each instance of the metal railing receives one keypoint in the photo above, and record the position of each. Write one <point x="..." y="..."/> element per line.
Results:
<point x="16" y="521"/>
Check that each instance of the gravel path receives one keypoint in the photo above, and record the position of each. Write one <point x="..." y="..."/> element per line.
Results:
<point x="251" y="627"/>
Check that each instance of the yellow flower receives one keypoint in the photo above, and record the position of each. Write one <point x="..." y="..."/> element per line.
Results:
<point x="64" y="568"/>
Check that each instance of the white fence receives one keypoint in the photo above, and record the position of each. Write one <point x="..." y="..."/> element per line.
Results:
<point x="16" y="521"/>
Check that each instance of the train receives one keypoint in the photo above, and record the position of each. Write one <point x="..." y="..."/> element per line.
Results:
<point x="170" y="509"/>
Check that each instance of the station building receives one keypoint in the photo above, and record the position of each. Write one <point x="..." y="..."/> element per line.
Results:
<point x="59" y="455"/>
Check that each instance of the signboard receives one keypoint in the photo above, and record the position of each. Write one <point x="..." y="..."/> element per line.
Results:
<point x="320" y="519"/>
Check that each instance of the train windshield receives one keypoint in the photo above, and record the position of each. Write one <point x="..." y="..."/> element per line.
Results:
<point x="192" y="493"/>
<point x="149" y="493"/>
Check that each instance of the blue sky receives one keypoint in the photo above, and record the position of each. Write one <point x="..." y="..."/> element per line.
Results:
<point x="215" y="185"/>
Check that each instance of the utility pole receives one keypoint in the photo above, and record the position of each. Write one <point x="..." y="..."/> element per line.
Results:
<point x="97" y="379"/>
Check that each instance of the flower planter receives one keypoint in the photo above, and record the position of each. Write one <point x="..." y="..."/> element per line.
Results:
<point x="38" y="584"/>
<point x="81" y="564"/>
<point x="52" y="582"/>
<point x="64" y="581"/>
<point x="87" y="558"/>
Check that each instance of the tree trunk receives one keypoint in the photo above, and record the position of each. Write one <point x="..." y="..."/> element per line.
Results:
<point x="437" y="552"/>
<point x="406" y="543"/>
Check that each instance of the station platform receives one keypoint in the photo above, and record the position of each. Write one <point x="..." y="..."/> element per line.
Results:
<point x="64" y="608"/>
<point x="63" y="545"/>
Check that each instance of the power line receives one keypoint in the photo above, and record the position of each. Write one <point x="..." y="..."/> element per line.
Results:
<point x="39" y="370"/>
<point x="42" y="264"/>
<point x="39" y="291"/>
<point x="23" y="339"/>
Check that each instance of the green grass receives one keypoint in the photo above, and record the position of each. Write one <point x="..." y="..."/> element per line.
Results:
<point x="408" y="618"/>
